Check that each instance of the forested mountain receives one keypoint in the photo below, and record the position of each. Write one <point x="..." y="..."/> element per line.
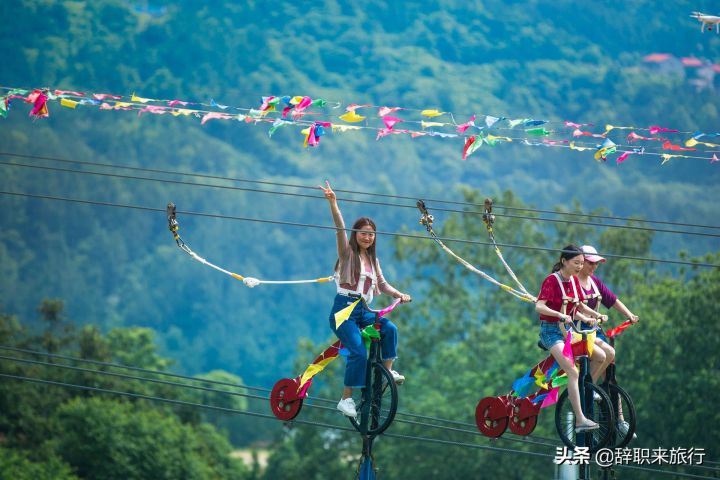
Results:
<point x="119" y="267"/>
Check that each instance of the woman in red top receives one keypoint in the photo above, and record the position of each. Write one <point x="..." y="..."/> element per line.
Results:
<point x="560" y="299"/>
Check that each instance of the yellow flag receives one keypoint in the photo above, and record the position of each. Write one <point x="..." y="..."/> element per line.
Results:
<point x="123" y="104"/>
<point x="590" y="343"/>
<point x="344" y="314"/>
<point x="579" y="149"/>
<point x="691" y="143"/>
<point x="540" y="379"/>
<point x="182" y="111"/>
<point x="295" y="100"/>
<point x="666" y="158"/>
<point x="431" y="124"/>
<point x="493" y="137"/>
<point x="135" y="98"/>
<point x="352" y="117"/>
<point x="65" y="102"/>
<point x="431" y="113"/>
<point x="310" y="372"/>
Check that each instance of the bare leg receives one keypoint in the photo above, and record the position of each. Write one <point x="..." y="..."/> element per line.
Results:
<point x="347" y="393"/>
<point x="572" y="386"/>
<point x="597" y="360"/>
<point x="388" y="363"/>
<point x="597" y="369"/>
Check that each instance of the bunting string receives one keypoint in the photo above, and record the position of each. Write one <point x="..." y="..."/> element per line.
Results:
<point x="476" y="131"/>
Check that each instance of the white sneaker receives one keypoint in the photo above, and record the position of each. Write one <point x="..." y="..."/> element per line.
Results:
<point x="399" y="379"/>
<point x="347" y="407"/>
<point x="623" y="427"/>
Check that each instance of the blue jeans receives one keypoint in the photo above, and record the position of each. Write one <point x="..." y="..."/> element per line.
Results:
<point x="349" y="335"/>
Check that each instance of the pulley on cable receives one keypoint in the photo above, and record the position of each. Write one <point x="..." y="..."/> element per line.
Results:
<point x="427" y="220"/>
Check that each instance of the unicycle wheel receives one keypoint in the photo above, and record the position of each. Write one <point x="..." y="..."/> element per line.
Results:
<point x="383" y="401"/>
<point x="600" y="412"/>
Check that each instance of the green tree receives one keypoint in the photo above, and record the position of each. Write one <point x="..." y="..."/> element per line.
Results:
<point x="17" y="465"/>
<point x="103" y="438"/>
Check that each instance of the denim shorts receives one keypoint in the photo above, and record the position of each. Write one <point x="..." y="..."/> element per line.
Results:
<point x="551" y="333"/>
<point x="601" y="335"/>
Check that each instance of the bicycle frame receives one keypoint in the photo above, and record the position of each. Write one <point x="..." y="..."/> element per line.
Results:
<point x="288" y="394"/>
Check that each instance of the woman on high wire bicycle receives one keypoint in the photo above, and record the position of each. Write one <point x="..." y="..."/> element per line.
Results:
<point x="358" y="275"/>
<point x="560" y="299"/>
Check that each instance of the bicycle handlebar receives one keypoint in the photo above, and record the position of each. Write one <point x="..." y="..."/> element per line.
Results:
<point x="574" y="327"/>
<point x="383" y="311"/>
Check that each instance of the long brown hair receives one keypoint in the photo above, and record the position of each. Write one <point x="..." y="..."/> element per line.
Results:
<point x="359" y="223"/>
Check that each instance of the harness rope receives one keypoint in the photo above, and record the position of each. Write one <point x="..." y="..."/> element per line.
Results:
<point x="251" y="282"/>
<point x="427" y="220"/>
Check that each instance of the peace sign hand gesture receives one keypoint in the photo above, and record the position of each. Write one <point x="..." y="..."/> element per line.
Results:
<point x="329" y="194"/>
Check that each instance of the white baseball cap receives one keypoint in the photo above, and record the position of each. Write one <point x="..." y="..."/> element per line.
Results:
<point x="591" y="254"/>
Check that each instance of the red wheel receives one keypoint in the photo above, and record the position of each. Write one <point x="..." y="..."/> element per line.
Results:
<point x="284" y="402"/>
<point x="524" y="417"/>
<point x="491" y="417"/>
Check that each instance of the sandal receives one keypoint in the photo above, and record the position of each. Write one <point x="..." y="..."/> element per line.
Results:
<point x="590" y="425"/>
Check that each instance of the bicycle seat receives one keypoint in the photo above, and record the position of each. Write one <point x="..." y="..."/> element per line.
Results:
<point x="541" y="346"/>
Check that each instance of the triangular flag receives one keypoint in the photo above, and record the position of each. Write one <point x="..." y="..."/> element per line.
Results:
<point x="590" y="343"/>
<point x="431" y="113"/>
<point x="551" y="398"/>
<point x="425" y="124"/>
<point x="344" y="314"/>
<point x="351" y="117"/>
<point x="135" y="98"/>
<point x="567" y="348"/>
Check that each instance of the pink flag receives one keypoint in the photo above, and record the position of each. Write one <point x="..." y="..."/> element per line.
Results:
<point x="311" y="140"/>
<point x="211" y="115"/>
<point x="383" y="132"/>
<point x="551" y="398"/>
<point x="470" y="123"/>
<point x="634" y="137"/>
<point x="567" y="348"/>
<point x="103" y="96"/>
<point x="577" y="125"/>
<point x="156" y="109"/>
<point x="655" y="129"/>
<point x="714" y="159"/>
<point x="623" y="157"/>
<point x="174" y="103"/>
<point x="352" y="107"/>
<point x="387" y="111"/>
<point x="391" y="121"/>
<point x="39" y="101"/>
<point x="68" y="92"/>
<point x="580" y="133"/>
